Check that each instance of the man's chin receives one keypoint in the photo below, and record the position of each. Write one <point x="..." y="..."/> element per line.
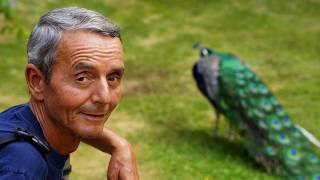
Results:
<point x="88" y="132"/>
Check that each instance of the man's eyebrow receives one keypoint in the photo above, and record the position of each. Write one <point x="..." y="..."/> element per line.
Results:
<point x="86" y="66"/>
<point x="119" y="70"/>
<point x="82" y="66"/>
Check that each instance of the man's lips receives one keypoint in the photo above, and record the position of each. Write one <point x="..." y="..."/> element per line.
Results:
<point x="91" y="114"/>
<point x="94" y="116"/>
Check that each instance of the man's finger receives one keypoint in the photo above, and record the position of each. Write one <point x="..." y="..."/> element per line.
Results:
<point x="124" y="174"/>
<point x="113" y="172"/>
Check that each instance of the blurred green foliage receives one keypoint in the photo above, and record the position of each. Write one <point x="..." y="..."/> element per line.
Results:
<point x="7" y="7"/>
<point x="10" y="24"/>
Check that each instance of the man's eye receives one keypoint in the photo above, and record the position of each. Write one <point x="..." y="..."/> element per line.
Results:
<point x="82" y="78"/>
<point x="114" y="80"/>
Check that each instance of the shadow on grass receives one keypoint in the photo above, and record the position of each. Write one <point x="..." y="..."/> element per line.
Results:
<point x="220" y="148"/>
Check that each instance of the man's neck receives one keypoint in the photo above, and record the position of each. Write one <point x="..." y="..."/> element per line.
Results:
<point x="59" y="139"/>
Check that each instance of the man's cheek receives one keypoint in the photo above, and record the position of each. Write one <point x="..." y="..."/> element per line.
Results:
<point x="73" y="96"/>
<point x="116" y="100"/>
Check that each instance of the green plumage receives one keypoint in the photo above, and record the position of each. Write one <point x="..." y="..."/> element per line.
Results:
<point x="273" y="140"/>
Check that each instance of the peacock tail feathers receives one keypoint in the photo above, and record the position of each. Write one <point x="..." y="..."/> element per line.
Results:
<point x="273" y="139"/>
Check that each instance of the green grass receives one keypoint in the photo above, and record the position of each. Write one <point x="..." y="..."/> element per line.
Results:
<point x="162" y="114"/>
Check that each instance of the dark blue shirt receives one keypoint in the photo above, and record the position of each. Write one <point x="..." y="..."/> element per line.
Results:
<point x="20" y="159"/>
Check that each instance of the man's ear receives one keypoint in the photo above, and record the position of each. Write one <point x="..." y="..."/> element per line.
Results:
<point x="36" y="82"/>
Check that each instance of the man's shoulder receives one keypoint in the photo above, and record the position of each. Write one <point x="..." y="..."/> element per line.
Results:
<point x="22" y="158"/>
<point x="18" y="117"/>
<point x="11" y="110"/>
<point x="9" y="119"/>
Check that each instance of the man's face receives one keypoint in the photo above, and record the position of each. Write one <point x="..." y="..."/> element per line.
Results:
<point x="85" y="82"/>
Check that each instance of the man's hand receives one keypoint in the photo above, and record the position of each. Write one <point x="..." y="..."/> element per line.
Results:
<point x="122" y="165"/>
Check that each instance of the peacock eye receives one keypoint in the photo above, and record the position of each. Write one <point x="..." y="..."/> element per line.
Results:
<point x="293" y="152"/>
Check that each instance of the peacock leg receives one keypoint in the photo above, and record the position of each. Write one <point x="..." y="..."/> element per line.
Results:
<point x="216" y="128"/>
<point x="231" y="131"/>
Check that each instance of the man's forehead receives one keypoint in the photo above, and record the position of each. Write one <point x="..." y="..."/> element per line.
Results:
<point x="88" y="66"/>
<point x="70" y="38"/>
<point x="75" y="42"/>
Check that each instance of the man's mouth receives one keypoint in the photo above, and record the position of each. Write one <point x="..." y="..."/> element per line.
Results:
<point x="94" y="116"/>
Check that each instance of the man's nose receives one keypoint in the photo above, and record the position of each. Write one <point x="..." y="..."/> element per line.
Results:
<point x="101" y="93"/>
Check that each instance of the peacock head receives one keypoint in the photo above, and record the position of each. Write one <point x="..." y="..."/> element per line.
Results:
<point x="206" y="73"/>
<point x="203" y="51"/>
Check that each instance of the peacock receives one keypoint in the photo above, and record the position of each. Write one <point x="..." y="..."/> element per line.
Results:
<point x="272" y="138"/>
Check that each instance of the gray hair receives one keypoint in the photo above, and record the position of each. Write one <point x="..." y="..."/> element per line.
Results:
<point x="46" y="35"/>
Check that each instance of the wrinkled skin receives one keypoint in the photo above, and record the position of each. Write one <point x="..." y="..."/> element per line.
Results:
<point x="83" y="90"/>
<point x="122" y="165"/>
<point x="85" y="84"/>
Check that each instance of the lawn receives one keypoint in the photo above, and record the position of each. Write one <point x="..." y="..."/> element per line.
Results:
<point x="166" y="119"/>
